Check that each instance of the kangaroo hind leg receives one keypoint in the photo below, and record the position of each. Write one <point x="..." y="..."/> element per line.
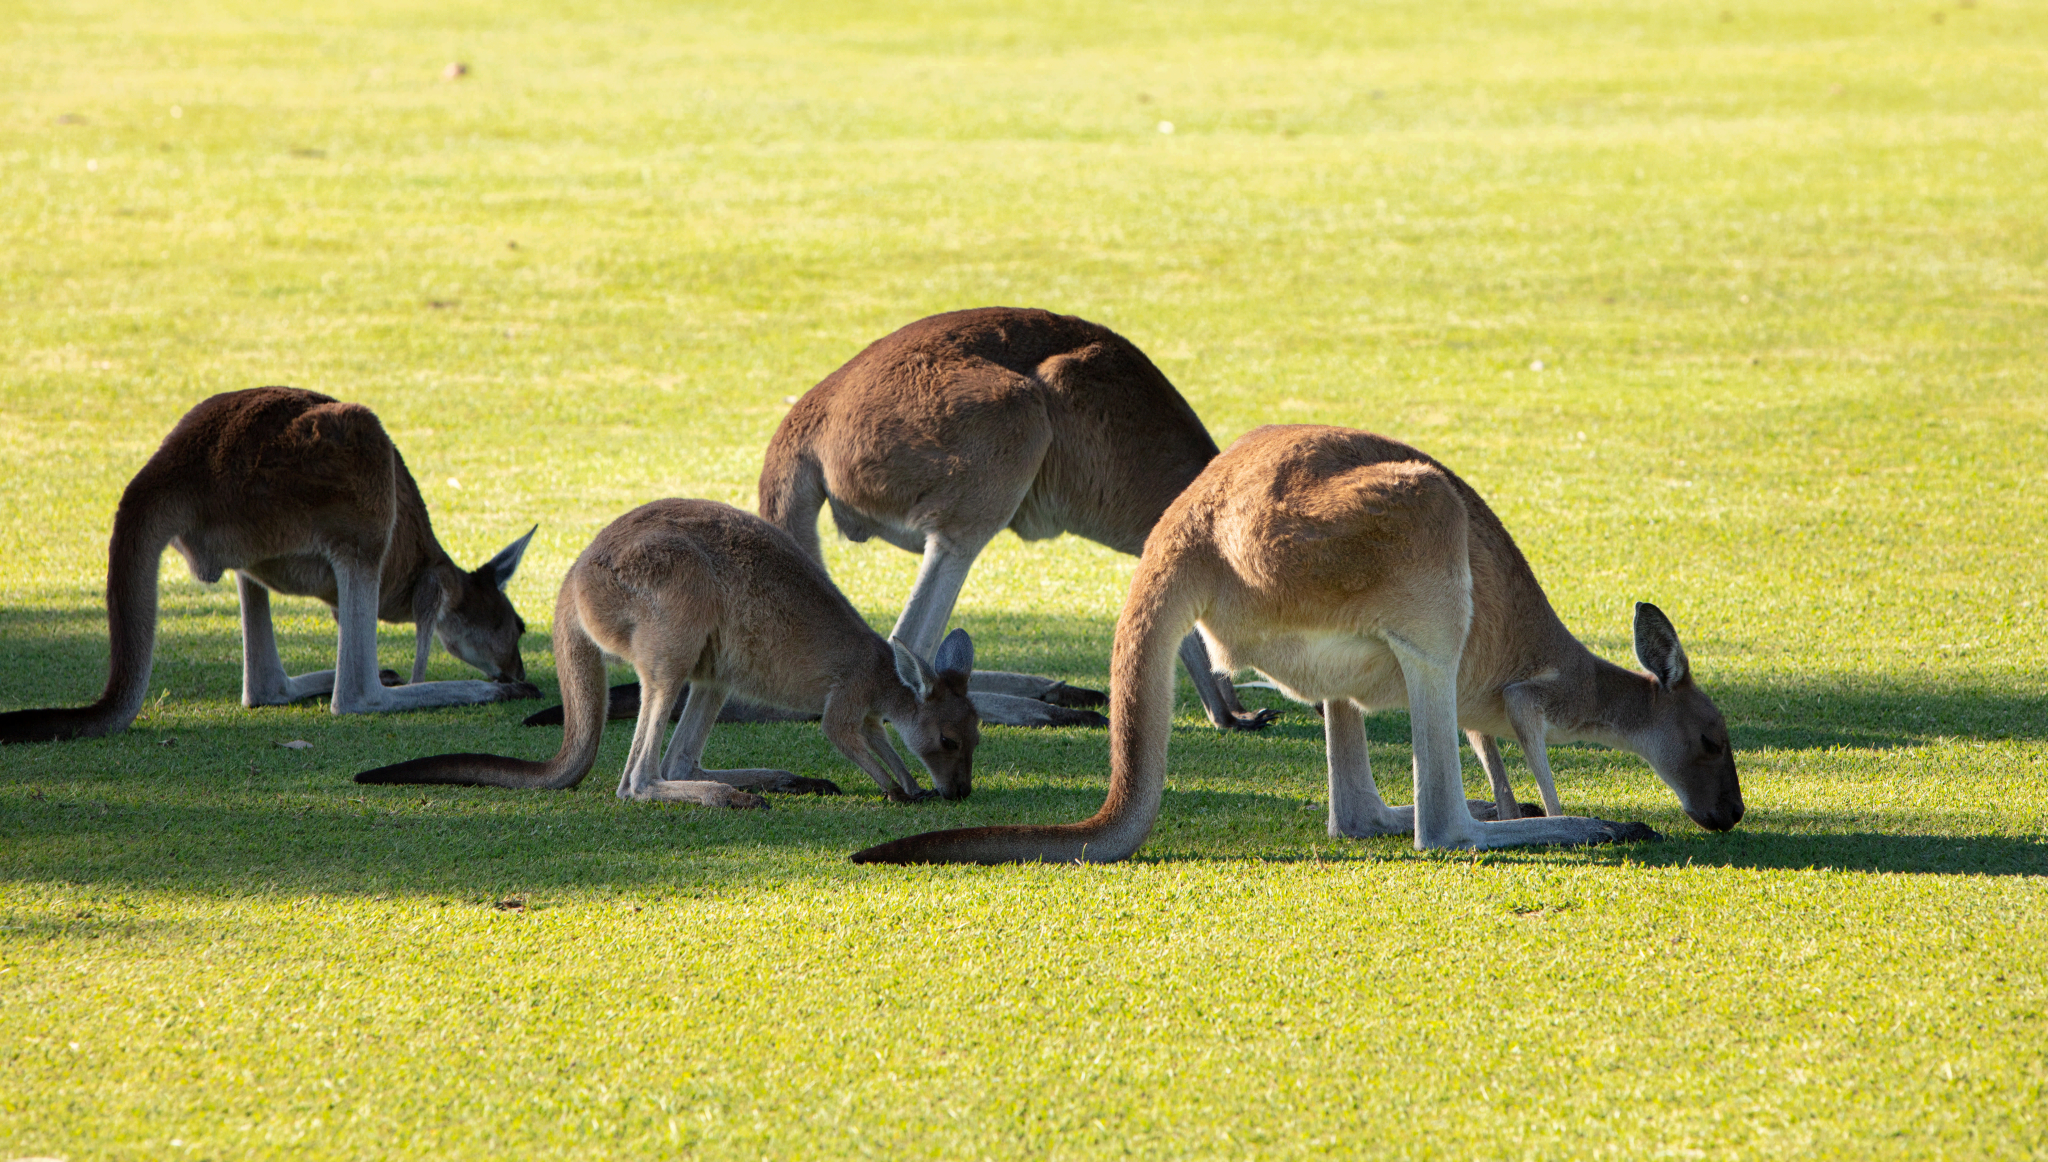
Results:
<point x="264" y="682"/>
<point x="1356" y="809"/>
<point x="1019" y="699"/>
<point x="663" y="660"/>
<point x="358" y="689"/>
<point x="685" y="759"/>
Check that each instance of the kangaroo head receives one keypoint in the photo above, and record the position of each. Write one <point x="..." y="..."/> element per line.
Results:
<point x="1686" y="740"/>
<point x="945" y="730"/>
<point x="478" y="623"/>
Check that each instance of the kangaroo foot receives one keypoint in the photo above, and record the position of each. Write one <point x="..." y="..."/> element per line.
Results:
<point x="704" y="793"/>
<point x="1013" y="710"/>
<point x="1625" y="833"/>
<point x="769" y="779"/>
<point x="1484" y="809"/>
<point x="1074" y="697"/>
<point x="390" y="678"/>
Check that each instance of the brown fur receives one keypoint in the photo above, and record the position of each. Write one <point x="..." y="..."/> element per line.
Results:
<point x="696" y="593"/>
<point x="289" y="488"/>
<point x="1359" y="572"/>
<point x="940" y="435"/>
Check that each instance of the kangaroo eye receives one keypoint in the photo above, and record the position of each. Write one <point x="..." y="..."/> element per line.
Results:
<point x="948" y="744"/>
<point x="1710" y="746"/>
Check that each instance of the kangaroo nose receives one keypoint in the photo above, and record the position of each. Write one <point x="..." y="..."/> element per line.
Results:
<point x="1722" y="817"/>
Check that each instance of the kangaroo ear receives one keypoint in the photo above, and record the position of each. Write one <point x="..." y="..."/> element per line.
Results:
<point x="955" y="653"/>
<point x="499" y="569"/>
<point x="1657" y="646"/>
<point x="913" y="670"/>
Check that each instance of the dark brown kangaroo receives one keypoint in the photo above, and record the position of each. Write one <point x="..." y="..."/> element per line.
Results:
<point x="701" y="596"/>
<point x="1358" y="572"/>
<point x="298" y="494"/>
<point x="940" y="435"/>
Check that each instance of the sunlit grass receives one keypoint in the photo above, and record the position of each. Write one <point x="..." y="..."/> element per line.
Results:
<point x="1739" y="310"/>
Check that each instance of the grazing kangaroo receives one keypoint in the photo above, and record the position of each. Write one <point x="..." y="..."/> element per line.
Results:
<point x="697" y="592"/>
<point x="942" y="434"/>
<point x="1358" y="572"/>
<point x="301" y="494"/>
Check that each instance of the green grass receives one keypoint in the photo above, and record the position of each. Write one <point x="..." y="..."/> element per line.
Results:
<point x="1785" y="268"/>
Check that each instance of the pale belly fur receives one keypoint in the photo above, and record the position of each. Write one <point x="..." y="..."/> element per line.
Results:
<point x="1318" y="666"/>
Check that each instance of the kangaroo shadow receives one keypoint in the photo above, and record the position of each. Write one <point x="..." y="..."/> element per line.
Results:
<point x="1805" y="842"/>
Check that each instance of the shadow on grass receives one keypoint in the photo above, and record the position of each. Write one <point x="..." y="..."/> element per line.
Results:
<point x="218" y="835"/>
<point x="1860" y="851"/>
<point x="45" y="653"/>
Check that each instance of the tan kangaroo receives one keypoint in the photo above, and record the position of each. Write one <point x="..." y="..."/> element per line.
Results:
<point x="942" y="434"/>
<point x="1358" y="572"/>
<point x="697" y="592"/>
<point x="298" y="494"/>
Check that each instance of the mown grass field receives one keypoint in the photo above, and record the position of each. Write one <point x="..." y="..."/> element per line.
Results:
<point x="1740" y="308"/>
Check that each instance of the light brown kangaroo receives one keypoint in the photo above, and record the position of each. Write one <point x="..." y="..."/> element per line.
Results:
<point x="1358" y="572"/>
<point x="697" y="592"/>
<point x="940" y="435"/>
<point x="298" y="494"/>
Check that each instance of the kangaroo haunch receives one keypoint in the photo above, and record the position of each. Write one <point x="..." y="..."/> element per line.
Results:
<point x="298" y="494"/>
<point x="699" y="595"/>
<point x="1357" y="572"/>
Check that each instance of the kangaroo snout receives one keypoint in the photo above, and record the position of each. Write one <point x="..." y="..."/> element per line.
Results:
<point x="1722" y="816"/>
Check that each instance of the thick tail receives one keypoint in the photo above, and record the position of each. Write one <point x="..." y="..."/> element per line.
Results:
<point x="143" y="527"/>
<point x="579" y="664"/>
<point x="792" y="488"/>
<point x="1160" y="611"/>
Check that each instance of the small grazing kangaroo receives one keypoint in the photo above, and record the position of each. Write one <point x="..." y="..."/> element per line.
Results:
<point x="298" y="494"/>
<point x="1358" y="572"/>
<point x="697" y="592"/>
<point x="942" y="434"/>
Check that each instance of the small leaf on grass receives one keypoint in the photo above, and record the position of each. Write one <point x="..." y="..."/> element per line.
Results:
<point x="296" y="744"/>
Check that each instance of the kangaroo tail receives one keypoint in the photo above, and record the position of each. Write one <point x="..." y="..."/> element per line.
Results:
<point x="1160" y="611"/>
<point x="143" y="527"/>
<point x="792" y="488"/>
<point x="579" y="664"/>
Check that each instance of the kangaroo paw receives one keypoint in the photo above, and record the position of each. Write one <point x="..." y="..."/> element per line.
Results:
<point x="799" y="785"/>
<point x="1248" y="719"/>
<point x="389" y="678"/>
<point x="516" y="691"/>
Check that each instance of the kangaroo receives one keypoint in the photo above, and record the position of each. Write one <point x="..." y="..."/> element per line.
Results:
<point x="1359" y="572"/>
<point x="942" y="434"/>
<point x="699" y="592"/>
<point x="300" y="494"/>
